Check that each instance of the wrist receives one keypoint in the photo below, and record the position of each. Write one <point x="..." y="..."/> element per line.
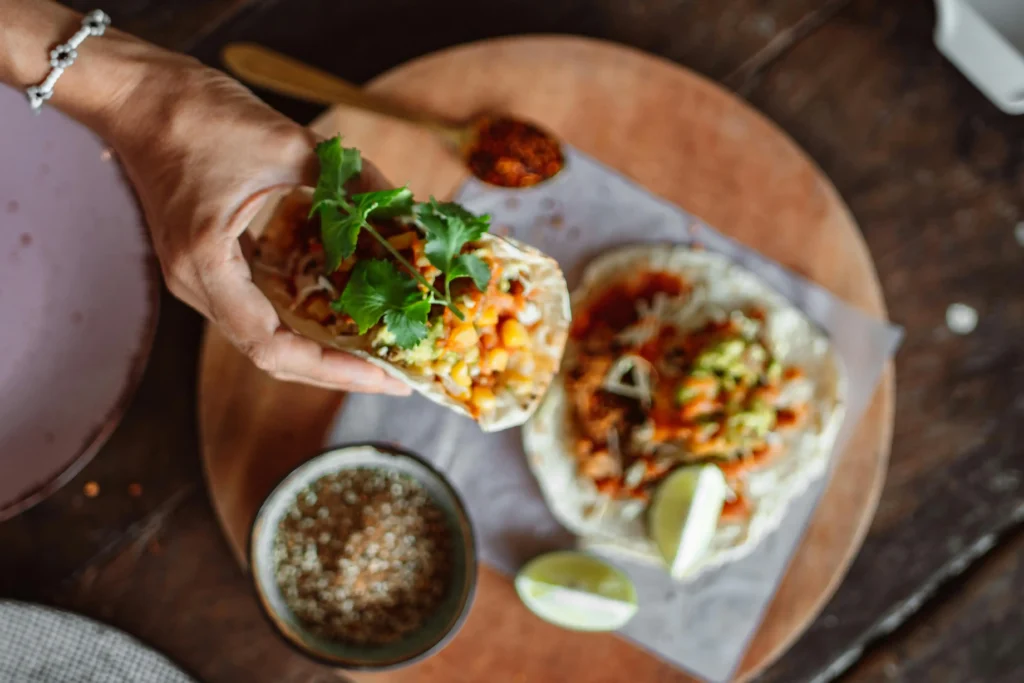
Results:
<point x="105" y="94"/>
<point x="94" y="90"/>
<point x="155" y="87"/>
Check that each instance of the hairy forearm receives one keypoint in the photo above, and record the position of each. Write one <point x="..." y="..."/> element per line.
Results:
<point x="108" y="73"/>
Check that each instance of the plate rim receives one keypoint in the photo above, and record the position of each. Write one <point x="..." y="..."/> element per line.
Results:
<point x="98" y="437"/>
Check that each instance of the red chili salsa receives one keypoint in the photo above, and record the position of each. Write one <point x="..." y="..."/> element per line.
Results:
<point x="511" y="153"/>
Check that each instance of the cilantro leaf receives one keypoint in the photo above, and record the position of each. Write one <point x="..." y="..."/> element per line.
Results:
<point x="338" y="165"/>
<point x="339" y="234"/>
<point x="457" y="210"/>
<point x="376" y="288"/>
<point x="449" y="227"/>
<point x="386" y="203"/>
<point x="470" y="265"/>
<point x="409" y="325"/>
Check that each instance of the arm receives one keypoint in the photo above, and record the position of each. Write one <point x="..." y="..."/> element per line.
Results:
<point x="200" y="150"/>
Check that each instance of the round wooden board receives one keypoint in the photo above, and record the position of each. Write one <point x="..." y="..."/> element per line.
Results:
<point x="683" y="138"/>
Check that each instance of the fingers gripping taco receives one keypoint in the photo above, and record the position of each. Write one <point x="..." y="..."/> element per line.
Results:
<point x="473" y="321"/>
<point x="679" y="357"/>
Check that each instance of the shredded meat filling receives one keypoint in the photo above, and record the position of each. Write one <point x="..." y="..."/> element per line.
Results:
<point x="712" y="394"/>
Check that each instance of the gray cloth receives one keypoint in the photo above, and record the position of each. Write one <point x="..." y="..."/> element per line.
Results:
<point x="43" y="645"/>
<point x="703" y="625"/>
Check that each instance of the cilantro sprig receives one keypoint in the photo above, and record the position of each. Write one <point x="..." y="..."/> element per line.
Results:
<point x="449" y="227"/>
<point x="376" y="288"/>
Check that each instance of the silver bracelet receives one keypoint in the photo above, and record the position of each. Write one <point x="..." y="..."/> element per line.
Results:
<point x="63" y="56"/>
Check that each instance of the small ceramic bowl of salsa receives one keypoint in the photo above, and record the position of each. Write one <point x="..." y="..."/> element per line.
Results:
<point x="364" y="558"/>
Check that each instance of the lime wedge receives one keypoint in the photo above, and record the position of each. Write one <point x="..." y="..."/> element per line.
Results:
<point x="684" y="515"/>
<point x="577" y="591"/>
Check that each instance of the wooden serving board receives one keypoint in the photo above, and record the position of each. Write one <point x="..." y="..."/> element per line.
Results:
<point x="685" y="139"/>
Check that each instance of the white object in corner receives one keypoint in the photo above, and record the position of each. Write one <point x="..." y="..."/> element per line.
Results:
<point x="985" y="40"/>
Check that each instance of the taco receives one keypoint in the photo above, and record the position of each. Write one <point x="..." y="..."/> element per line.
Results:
<point x="472" y="321"/>
<point x="680" y="357"/>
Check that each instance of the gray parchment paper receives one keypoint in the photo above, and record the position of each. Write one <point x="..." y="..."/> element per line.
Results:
<point x="703" y="626"/>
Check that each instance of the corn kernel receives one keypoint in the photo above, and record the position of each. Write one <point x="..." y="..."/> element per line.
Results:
<point x="462" y="337"/>
<point x="496" y="360"/>
<point x="513" y="334"/>
<point x="483" y="399"/>
<point x="460" y="374"/>
<point x="487" y="317"/>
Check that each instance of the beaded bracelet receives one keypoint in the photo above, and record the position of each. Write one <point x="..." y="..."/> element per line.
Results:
<point x="63" y="56"/>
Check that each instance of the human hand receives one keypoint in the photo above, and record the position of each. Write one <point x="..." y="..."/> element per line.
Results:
<point x="201" y="151"/>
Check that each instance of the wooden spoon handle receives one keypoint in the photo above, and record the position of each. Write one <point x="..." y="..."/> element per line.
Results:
<point x="284" y="75"/>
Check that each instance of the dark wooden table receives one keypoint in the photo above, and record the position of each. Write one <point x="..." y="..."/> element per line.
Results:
<point x="935" y="176"/>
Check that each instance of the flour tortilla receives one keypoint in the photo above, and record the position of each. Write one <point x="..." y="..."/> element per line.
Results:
<point x="620" y="526"/>
<point x="547" y="337"/>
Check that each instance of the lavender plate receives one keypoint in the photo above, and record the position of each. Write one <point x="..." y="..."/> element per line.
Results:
<point x="78" y="300"/>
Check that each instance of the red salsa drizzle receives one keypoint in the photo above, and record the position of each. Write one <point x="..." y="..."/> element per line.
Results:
<point x="614" y="309"/>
